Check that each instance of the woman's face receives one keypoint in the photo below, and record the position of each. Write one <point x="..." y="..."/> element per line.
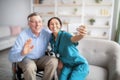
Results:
<point x="54" y="25"/>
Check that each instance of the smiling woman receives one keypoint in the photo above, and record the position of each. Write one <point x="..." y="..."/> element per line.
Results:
<point x="64" y="44"/>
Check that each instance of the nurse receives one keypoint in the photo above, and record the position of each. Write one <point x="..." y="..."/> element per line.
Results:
<point x="75" y="66"/>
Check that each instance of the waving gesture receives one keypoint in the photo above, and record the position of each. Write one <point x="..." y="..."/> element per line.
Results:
<point x="27" y="47"/>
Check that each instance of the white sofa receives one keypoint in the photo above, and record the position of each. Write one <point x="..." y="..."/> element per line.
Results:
<point x="8" y="35"/>
<point x="103" y="57"/>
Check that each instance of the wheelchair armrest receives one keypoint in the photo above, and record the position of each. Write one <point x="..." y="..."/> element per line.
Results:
<point x="50" y="53"/>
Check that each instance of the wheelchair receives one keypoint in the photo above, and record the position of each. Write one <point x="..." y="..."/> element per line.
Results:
<point x="18" y="74"/>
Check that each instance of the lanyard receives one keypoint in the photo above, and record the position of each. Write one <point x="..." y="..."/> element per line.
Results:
<point x="56" y="47"/>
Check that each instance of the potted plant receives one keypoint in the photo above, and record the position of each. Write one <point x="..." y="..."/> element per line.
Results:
<point x="75" y="10"/>
<point x="107" y="23"/>
<point x="40" y="1"/>
<point x="98" y="1"/>
<point x="74" y="1"/>
<point x="91" y="20"/>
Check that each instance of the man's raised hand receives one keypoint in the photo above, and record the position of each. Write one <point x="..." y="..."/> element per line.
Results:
<point x="27" y="47"/>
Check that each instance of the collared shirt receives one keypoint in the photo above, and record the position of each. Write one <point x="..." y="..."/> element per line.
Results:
<point x="40" y="44"/>
<point x="69" y="54"/>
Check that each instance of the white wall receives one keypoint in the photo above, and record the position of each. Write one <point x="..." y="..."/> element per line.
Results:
<point x="14" y="12"/>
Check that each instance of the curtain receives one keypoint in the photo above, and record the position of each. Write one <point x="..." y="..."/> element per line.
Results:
<point x="117" y="39"/>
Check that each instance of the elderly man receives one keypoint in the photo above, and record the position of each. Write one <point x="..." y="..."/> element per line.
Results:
<point x="29" y="50"/>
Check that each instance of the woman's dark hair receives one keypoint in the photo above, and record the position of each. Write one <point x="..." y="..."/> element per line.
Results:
<point x="54" y="18"/>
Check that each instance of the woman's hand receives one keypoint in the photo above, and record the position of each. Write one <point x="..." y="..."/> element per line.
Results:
<point x="60" y="66"/>
<point x="82" y="31"/>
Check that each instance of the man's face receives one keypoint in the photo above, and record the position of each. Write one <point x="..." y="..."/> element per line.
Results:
<point x="35" y="23"/>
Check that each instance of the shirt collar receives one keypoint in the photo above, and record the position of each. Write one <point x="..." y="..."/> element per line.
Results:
<point x="53" y="37"/>
<point x="32" y="34"/>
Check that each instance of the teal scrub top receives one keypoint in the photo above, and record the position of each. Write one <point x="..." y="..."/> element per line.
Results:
<point x="67" y="50"/>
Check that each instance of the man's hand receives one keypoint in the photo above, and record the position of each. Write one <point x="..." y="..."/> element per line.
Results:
<point x="27" y="47"/>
